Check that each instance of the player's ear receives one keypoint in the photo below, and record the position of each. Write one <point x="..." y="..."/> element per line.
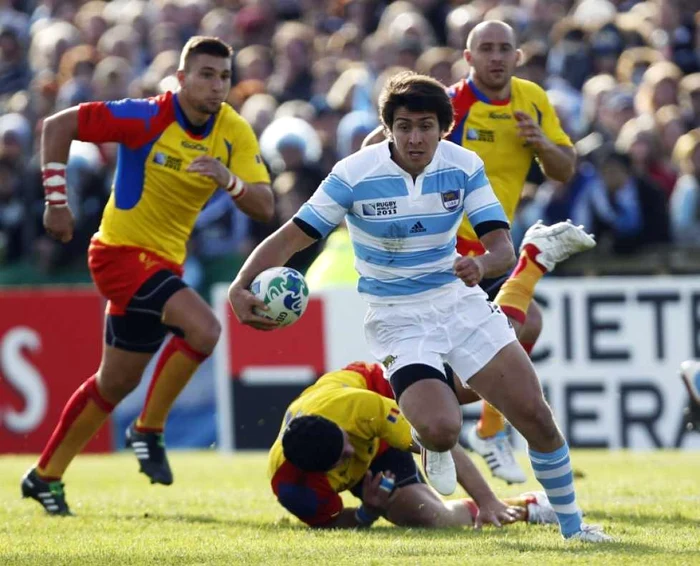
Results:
<point x="467" y="56"/>
<point x="180" y="74"/>
<point x="519" y="57"/>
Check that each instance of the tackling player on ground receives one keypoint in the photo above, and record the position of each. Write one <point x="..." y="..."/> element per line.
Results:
<point x="175" y="150"/>
<point x="346" y="432"/>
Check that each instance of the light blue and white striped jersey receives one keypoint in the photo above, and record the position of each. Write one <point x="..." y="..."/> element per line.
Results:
<point x="403" y="232"/>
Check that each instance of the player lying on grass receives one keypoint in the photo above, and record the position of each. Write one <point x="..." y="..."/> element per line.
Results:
<point x="346" y="432"/>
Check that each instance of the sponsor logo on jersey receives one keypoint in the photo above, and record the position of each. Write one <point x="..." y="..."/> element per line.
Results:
<point x="417" y="228"/>
<point x="388" y="361"/>
<point x="194" y="145"/>
<point x="380" y="208"/>
<point x="499" y="116"/>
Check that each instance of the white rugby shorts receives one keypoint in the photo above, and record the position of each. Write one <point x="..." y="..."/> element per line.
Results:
<point x="461" y="328"/>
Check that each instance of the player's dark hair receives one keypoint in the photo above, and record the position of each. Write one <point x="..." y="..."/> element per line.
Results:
<point x="415" y="93"/>
<point x="312" y="443"/>
<point x="203" y="45"/>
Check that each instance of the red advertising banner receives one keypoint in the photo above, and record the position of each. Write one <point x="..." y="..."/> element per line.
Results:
<point x="50" y="342"/>
<point x="301" y="344"/>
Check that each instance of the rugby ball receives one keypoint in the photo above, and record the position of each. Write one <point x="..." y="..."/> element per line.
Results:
<point x="284" y="291"/>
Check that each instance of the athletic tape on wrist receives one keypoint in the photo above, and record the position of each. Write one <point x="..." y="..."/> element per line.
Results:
<point x="54" y="180"/>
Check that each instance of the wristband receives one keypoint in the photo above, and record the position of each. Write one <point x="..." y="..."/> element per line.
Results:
<point x="364" y="517"/>
<point x="54" y="181"/>
<point x="235" y="187"/>
<point x="386" y="484"/>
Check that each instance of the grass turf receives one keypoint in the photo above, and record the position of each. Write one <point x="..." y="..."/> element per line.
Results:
<point x="221" y="511"/>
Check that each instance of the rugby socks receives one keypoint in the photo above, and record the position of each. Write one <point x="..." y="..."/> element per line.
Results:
<point x="491" y="421"/>
<point x="82" y="417"/>
<point x="517" y="292"/>
<point x="553" y="471"/>
<point x="176" y="365"/>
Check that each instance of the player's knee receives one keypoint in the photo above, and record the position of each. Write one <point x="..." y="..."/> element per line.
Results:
<point x="204" y="338"/>
<point x="115" y="385"/>
<point x="440" y="433"/>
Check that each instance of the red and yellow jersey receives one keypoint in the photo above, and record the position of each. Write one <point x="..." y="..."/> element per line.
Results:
<point x="488" y="128"/>
<point x="360" y="401"/>
<point x="155" y="201"/>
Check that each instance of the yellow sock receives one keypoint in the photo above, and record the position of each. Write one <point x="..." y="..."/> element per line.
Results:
<point x="175" y="368"/>
<point x="517" y="292"/>
<point x="491" y="421"/>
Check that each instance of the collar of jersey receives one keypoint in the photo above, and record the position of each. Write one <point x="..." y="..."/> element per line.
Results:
<point x="483" y="98"/>
<point x="196" y="132"/>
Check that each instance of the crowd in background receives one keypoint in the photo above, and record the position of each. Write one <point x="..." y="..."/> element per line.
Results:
<point x="624" y="76"/>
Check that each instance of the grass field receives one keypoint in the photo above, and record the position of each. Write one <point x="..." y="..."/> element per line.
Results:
<point x="221" y="511"/>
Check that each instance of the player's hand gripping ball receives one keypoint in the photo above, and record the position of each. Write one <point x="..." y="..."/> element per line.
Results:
<point x="284" y="291"/>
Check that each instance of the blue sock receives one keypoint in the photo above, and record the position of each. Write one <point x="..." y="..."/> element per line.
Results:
<point x="553" y="471"/>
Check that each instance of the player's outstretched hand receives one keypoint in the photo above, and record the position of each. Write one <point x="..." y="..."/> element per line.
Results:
<point x="244" y="305"/>
<point x="212" y="168"/>
<point x="59" y="223"/>
<point x="497" y="513"/>
<point x="530" y="131"/>
<point x="376" y="491"/>
<point x="469" y="270"/>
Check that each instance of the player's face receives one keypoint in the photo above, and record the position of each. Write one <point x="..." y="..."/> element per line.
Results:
<point x="493" y="57"/>
<point x="416" y="136"/>
<point x="206" y="82"/>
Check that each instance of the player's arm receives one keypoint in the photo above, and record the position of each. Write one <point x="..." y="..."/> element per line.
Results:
<point x="558" y="162"/>
<point x="471" y="480"/>
<point x="249" y="182"/>
<point x="552" y="146"/>
<point x="315" y="220"/>
<point x="273" y="251"/>
<point x="490" y="223"/>
<point x="58" y="131"/>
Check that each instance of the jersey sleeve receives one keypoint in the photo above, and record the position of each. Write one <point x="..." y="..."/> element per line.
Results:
<point x="246" y="161"/>
<point x="480" y="203"/>
<point x="329" y="204"/>
<point x="131" y="122"/>
<point x="551" y="127"/>
<point x="311" y="498"/>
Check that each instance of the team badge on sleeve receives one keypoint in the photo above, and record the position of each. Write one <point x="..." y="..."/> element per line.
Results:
<point x="393" y="415"/>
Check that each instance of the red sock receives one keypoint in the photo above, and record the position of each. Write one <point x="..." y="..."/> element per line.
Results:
<point x="82" y="417"/>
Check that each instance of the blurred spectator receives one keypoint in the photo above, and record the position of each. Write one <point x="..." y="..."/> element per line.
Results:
<point x="623" y="211"/>
<point x="14" y="74"/>
<point x="11" y="213"/>
<point x="639" y="141"/>
<point x="685" y="200"/>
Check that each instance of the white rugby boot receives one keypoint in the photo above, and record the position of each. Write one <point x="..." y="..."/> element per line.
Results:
<point x="539" y="509"/>
<point x="440" y="470"/>
<point x="591" y="533"/>
<point x="498" y="453"/>
<point x="557" y="242"/>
